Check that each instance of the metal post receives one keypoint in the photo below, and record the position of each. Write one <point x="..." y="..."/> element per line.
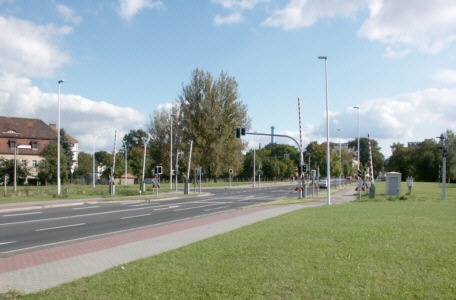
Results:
<point x="171" y="155"/>
<point x="328" y="158"/>
<point x="444" y="178"/>
<point x="58" y="140"/>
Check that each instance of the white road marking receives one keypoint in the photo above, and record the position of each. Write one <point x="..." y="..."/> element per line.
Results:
<point x="5" y="243"/>
<point x="137" y="216"/>
<point x="168" y="207"/>
<point x="86" y="207"/>
<point x="23" y="214"/>
<point x="58" y="227"/>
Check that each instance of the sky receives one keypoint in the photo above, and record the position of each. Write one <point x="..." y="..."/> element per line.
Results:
<point x="122" y="60"/>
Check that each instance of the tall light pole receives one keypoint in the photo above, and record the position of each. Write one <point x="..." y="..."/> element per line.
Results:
<point x="93" y="159"/>
<point x="328" y="158"/>
<point x="171" y="155"/>
<point x="126" y="168"/>
<point x="58" y="139"/>
<point x="359" y="154"/>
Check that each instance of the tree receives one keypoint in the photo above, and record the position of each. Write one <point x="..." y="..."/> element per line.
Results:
<point x="377" y="157"/>
<point x="85" y="165"/>
<point x="135" y="138"/>
<point x="7" y="169"/>
<point x="401" y="160"/>
<point x="47" y="168"/>
<point x="210" y="111"/>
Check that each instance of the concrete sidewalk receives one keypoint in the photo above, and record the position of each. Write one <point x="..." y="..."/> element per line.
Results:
<point x="46" y="268"/>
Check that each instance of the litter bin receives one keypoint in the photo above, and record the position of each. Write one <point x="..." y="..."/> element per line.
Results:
<point x="372" y="192"/>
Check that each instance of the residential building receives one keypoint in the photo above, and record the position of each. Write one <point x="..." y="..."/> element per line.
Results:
<point x="30" y="132"/>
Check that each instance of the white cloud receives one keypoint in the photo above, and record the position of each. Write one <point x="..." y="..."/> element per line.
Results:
<point x="238" y="4"/>
<point x="427" y="25"/>
<point x="28" y="49"/>
<point x="127" y="9"/>
<point x="82" y="118"/>
<point x="235" y="17"/>
<point x="447" y="76"/>
<point x="68" y="14"/>
<point x="390" y="53"/>
<point x="405" y="117"/>
<point x="304" y="13"/>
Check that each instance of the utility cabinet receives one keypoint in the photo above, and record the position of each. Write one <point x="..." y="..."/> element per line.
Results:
<point x="393" y="183"/>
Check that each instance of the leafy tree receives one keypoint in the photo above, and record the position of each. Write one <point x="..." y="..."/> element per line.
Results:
<point x="85" y="165"/>
<point x="65" y="149"/>
<point x="401" y="160"/>
<point x="377" y="157"/>
<point x="135" y="138"/>
<point x="47" y="168"/>
<point x="210" y="111"/>
<point x="7" y="169"/>
<point x="425" y="160"/>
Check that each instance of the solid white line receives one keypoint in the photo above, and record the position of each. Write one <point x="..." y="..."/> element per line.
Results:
<point x="79" y="208"/>
<point x="143" y="204"/>
<point x="5" y="243"/>
<point x="137" y="216"/>
<point x="23" y="214"/>
<point x="168" y="207"/>
<point x="58" y="227"/>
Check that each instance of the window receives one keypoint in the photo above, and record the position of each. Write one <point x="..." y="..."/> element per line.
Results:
<point x="34" y="145"/>
<point x="33" y="163"/>
<point x="23" y="163"/>
<point x="12" y="144"/>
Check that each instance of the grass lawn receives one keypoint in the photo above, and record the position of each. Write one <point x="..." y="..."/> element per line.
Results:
<point x="386" y="248"/>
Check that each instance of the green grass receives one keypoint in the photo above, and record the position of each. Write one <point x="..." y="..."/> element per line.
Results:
<point x="380" y="249"/>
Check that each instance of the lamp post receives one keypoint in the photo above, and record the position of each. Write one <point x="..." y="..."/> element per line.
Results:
<point x="328" y="170"/>
<point x="126" y="168"/>
<point x="171" y="155"/>
<point x="15" y="163"/>
<point x="93" y="159"/>
<point x="58" y="139"/>
<point x="359" y="153"/>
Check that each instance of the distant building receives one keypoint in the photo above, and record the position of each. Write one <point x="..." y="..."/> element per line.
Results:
<point x="31" y="132"/>
<point x="414" y="145"/>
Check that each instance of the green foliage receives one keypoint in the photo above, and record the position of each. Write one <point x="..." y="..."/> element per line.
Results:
<point x="7" y="169"/>
<point x="47" y="168"/>
<point x="209" y="112"/>
<point x="377" y="157"/>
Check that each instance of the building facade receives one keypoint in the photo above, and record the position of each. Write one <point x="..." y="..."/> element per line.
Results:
<point x="34" y="136"/>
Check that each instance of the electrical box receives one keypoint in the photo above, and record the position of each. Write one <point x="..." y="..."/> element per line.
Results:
<point x="393" y="183"/>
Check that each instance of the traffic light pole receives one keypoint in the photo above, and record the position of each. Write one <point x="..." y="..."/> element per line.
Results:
<point x="300" y="153"/>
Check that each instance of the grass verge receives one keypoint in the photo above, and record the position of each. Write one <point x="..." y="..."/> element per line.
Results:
<point x="366" y="249"/>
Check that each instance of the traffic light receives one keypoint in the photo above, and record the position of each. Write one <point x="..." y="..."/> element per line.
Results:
<point x="304" y="168"/>
<point x="238" y="133"/>
<point x="242" y="131"/>
<point x="299" y="170"/>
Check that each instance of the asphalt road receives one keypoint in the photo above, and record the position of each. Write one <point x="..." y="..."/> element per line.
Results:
<point x="29" y="230"/>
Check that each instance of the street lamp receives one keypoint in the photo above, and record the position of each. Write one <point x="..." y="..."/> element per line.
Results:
<point x="359" y="153"/>
<point x="171" y="155"/>
<point x="58" y="140"/>
<point x="15" y="163"/>
<point x="93" y="159"/>
<point x="126" y="168"/>
<point x="328" y="171"/>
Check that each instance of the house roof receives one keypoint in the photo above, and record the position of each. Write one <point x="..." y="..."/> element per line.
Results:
<point x="27" y="128"/>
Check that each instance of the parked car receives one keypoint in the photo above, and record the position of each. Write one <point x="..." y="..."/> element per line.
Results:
<point x="323" y="183"/>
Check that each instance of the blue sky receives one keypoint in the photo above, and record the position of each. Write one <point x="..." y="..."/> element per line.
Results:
<point x="122" y="60"/>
